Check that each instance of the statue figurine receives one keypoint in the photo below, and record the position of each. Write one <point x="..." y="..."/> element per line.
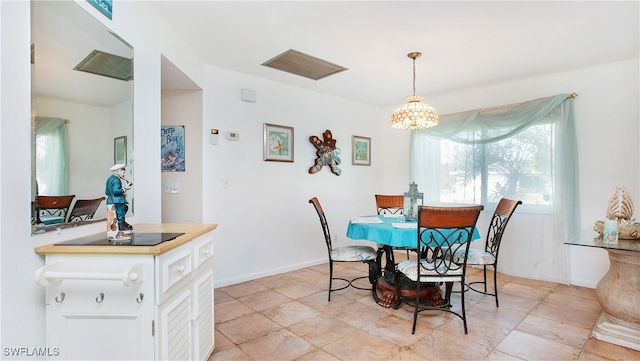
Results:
<point x="117" y="207"/>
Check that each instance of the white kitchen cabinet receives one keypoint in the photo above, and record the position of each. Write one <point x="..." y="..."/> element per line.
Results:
<point x="93" y="319"/>
<point x="130" y="306"/>
<point x="185" y="307"/>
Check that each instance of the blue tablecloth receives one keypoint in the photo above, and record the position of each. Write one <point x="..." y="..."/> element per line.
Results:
<point x="384" y="233"/>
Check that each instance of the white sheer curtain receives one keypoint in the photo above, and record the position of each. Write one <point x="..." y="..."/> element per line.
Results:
<point x="51" y="156"/>
<point x="533" y="244"/>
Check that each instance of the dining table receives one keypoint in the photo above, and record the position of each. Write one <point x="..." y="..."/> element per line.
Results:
<point x="392" y="232"/>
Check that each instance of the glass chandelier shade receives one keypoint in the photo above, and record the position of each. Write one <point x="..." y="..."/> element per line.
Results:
<point x="415" y="114"/>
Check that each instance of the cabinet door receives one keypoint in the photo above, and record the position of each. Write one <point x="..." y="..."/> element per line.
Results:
<point x="97" y="322"/>
<point x="203" y="339"/>
<point x="174" y="337"/>
<point x="100" y="319"/>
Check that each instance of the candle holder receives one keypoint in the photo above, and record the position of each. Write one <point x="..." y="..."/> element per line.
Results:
<point x="412" y="200"/>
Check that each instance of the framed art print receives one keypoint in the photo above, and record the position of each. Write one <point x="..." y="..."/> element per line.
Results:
<point x="360" y="150"/>
<point x="120" y="150"/>
<point x="172" y="148"/>
<point x="278" y="143"/>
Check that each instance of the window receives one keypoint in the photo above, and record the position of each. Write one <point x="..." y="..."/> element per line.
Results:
<point x="524" y="152"/>
<point x="51" y="156"/>
<point x="519" y="167"/>
<point x="527" y="152"/>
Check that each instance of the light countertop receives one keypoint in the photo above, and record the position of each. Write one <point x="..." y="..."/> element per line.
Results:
<point x="190" y="230"/>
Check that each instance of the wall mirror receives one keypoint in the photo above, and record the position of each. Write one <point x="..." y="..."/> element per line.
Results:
<point x="82" y="109"/>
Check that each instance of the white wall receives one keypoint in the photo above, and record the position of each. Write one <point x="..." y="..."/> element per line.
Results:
<point x="22" y="309"/>
<point x="266" y="224"/>
<point x="184" y="107"/>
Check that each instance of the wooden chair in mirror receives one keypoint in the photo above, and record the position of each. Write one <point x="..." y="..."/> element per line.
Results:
<point x="52" y="209"/>
<point x="84" y="209"/>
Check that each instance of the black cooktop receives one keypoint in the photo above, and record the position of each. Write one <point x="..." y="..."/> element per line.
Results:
<point x="137" y="239"/>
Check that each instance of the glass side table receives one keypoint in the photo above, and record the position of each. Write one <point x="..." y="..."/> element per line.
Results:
<point x="618" y="291"/>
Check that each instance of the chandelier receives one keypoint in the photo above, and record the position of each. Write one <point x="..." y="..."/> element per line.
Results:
<point x="415" y="114"/>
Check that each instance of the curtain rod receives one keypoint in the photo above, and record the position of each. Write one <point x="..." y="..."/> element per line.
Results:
<point x="572" y="96"/>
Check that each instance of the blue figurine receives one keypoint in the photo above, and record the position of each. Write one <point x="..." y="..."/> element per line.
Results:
<point x="117" y="202"/>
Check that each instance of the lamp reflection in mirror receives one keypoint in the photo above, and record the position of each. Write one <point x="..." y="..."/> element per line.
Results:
<point x="415" y="114"/>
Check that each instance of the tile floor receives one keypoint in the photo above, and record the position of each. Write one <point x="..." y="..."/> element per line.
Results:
<point x="287" y="317"/>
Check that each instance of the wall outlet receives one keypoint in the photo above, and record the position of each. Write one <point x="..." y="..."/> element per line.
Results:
<point x="171" y="187"/>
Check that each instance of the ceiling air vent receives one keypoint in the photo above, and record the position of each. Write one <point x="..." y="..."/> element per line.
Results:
<point x="105" y="64"/>
<point x="298" y="63"/>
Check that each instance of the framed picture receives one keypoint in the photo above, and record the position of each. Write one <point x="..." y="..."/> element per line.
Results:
<point x="120" y="150"/>
<point x="278" y="143"/>
<point x="172" y="148"/>
<point x="360" y="150"/>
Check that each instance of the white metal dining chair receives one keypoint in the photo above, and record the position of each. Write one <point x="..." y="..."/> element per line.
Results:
<point x="439" y="228"/>
<point x="489" y="256"/>
<point x="365" y="254"/>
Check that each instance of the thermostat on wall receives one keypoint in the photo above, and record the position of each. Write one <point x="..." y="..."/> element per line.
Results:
<point x="214" y="136"/>
<point x="232" y="135"/>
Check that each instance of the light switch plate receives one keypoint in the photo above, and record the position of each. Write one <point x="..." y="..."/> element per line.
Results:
<point x="171" y="187"/>
<point x="214" y="136"/>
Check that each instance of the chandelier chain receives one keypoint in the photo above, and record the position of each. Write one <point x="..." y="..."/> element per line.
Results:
<point x="414" y="76"/>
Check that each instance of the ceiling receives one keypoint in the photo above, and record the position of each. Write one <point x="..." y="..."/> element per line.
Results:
<point x="464" y="44"/>
<point x="62" y="35"/>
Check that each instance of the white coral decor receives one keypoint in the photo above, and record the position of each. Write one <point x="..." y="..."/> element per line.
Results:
<point x="620" y="206"/>
<point x="620" y="209"/>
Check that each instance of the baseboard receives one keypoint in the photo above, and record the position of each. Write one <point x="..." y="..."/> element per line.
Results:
<point x="516" y="272"/>
<point x="274" y="271"/>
